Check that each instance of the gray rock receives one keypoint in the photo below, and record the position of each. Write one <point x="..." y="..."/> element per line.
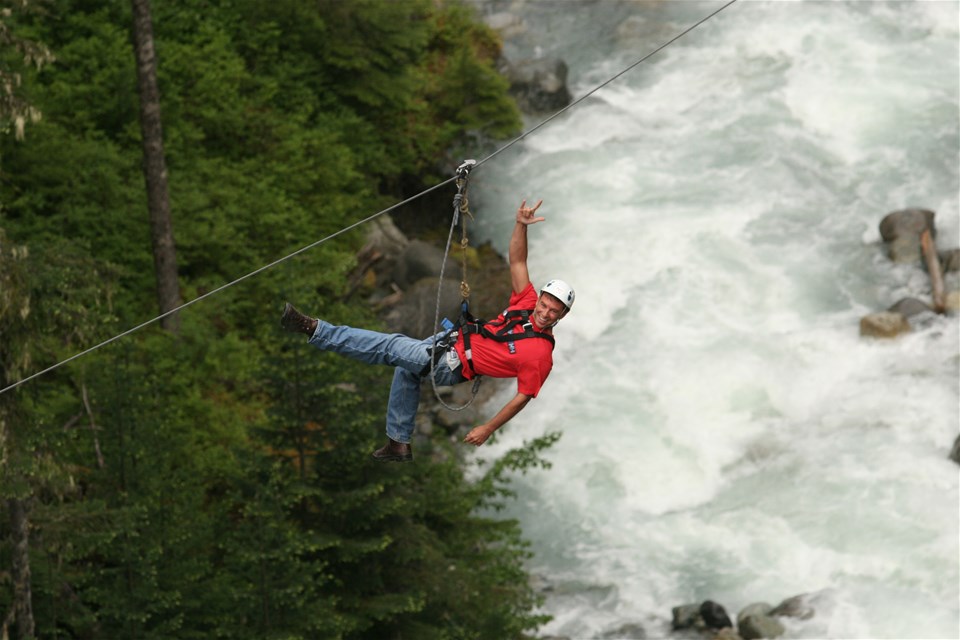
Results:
<point x="901" y="231"/>
<point x="950" y="260"/>
<point x="376" y="261"/>
<point x="386" y="237"/>
<point x="415" y="311"/>
<point x="909" y="307"/>
<point x="629" y="631"/>
<point x="686" y="616"/>
<point x="955" y="452"/>
<point x="538" y="85"/>
<point x="757" y="608"/>
<point x="418" y="260"/>
<point x="756" y="626"/>
<point x="801" y="606"/>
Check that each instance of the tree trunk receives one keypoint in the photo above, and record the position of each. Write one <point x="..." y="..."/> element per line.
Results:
<point x="21" y="610"/>
<point x="155" y="166"/>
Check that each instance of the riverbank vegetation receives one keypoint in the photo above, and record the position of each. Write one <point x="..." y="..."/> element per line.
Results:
<point x="214" y="481"/>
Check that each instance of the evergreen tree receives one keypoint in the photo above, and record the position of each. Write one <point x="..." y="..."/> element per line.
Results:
<point x="217" y="483"/>
<point x="155" y="167"/>
<point x="62" y="287"/>
<point x="17" y="51"/>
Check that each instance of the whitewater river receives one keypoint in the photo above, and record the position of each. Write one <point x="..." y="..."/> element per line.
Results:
<point x="727" y="434"/>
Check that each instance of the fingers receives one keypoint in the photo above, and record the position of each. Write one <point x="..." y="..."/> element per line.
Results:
<point x="525" y="209"/>
<point x="525" y="213"/>
<point x="476" y="437"/>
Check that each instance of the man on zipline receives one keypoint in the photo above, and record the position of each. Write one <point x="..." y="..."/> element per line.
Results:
<point x="518" y="344"/>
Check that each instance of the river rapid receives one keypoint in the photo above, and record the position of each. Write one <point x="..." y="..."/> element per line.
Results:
<point x="727" y="434"/>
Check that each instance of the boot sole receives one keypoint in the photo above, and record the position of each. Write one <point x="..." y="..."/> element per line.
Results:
<point x="406" y="458"/>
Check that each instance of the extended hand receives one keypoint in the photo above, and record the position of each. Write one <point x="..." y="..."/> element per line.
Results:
<point x="525" y="214"/>
<point x="479" y="435"/>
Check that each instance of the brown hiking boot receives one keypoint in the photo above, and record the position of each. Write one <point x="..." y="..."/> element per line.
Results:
<point x="393" y="451"/>
<point x="293" y="320"/>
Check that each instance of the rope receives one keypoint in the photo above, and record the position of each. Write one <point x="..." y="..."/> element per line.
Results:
<point x="460" y="207"/>
<point x="369" y="218"/>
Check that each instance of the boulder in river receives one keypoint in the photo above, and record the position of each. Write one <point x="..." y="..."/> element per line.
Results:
<point x="901" y="231"/>
<point x="538" y="85"/>
<point x="714" y="615"/>
<point x="758" y="625"/>
<point x="884" y="324"/>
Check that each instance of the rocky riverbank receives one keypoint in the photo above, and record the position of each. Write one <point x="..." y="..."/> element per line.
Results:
<point x="709" y="620"/>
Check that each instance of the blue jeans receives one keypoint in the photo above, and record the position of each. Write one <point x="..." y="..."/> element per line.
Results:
<point x="410" y="357"/>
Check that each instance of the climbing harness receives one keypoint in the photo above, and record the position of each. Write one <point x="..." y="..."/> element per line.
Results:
<point x="500" y="331"/>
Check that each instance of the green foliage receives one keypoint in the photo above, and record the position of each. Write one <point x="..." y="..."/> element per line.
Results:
<point x="18" y="54"/>
<point x="217" y="483"/>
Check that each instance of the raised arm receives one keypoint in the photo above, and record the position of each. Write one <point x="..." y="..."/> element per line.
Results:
<point x="519" y="276"/>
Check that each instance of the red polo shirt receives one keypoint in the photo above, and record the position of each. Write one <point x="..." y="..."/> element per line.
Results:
<point x="531" y="362"/>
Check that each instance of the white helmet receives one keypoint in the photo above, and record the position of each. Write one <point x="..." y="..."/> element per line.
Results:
<point x="561" y="291"/>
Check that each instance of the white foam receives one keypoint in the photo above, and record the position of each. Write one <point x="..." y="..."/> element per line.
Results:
<point x="727" y="433"/>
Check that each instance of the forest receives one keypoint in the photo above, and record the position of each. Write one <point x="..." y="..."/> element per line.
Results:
<point x="206" y="476"/>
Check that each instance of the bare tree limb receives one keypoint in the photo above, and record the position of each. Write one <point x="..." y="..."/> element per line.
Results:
<point x="933" y="268"/>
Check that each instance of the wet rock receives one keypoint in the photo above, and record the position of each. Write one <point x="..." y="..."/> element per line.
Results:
<point x="757" y="608"/>
<point x="727" y="634"/>
<point x="629" y="631"/>
<point x="686" y="616"/>
<point x="955" y="452"/>
<point x="884" y="324"/>
<point x="901" y="231"/>
<point x="801" y="606"/>
<point x="758" y="625"/>
<point x="909" y="307"/>
<point x="538" y="85"/>
<point x="950" y="260"/>
<point x="714" y="615"/>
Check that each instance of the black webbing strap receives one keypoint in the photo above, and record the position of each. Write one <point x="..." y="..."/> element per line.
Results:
<point x="499" y="331"/>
